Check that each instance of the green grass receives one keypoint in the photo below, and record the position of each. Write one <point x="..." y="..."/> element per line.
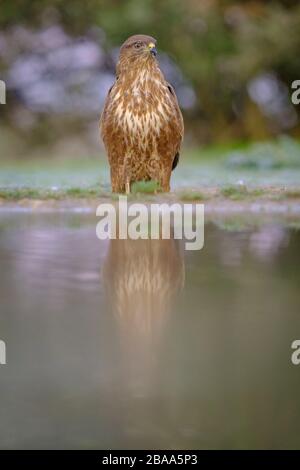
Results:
<point x="85" y="192"/>
<point x="237" y="172"/>
<point x="28" y="193"/>
<point x="233" y="193"/>
<point x="15" y="194"/>
<point x="240" y="192"/>
<point x="192" y="196"/>
<point x="145" y="187"/>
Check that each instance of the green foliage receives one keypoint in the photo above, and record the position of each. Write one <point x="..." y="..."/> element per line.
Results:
<point x="284" y="153"/>
<point x="219" y="46"/>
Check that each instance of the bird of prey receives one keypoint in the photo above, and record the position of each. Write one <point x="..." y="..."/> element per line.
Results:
<point x="141" y="123"/>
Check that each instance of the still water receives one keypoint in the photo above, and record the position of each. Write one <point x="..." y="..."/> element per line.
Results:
<point x="140" y="344"/>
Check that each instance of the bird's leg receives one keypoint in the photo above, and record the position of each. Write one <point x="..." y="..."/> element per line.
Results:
<point x="116" y="182"/>
<point x="127" y="174"/>
<point x="127" y="186"/>
<point x="165" y="180"/>
<point x="154" y="172"/>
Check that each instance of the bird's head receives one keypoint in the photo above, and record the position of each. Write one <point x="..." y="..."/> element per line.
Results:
<point x="138" y="48"/>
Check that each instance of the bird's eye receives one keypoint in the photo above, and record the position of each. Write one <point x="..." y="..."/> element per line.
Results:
<point x="137" y="45"/>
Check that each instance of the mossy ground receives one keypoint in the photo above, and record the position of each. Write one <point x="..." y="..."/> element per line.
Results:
<point x="268" y="171"/>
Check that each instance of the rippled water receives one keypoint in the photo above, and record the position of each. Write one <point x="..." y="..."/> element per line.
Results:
<point x="143" y="345"/>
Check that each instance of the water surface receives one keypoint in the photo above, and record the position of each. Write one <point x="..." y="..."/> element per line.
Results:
<point x="141" y="344"/>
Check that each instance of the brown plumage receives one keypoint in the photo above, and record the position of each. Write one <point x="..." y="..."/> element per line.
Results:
<point x="142" y="280"/>
<point x="141" y="124"/>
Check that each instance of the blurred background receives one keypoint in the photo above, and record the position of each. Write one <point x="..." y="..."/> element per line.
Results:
<point x="232" y="64"/>
<point x="207" y="363"/>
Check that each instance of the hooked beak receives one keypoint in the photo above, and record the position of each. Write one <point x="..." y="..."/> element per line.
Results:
<point x="152" y="48"/>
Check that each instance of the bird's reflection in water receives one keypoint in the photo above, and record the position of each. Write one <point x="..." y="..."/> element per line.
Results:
<point x="142" y="279"/>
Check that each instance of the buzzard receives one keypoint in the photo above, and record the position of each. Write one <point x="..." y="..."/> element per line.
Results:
<point x="141" y="123"/>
